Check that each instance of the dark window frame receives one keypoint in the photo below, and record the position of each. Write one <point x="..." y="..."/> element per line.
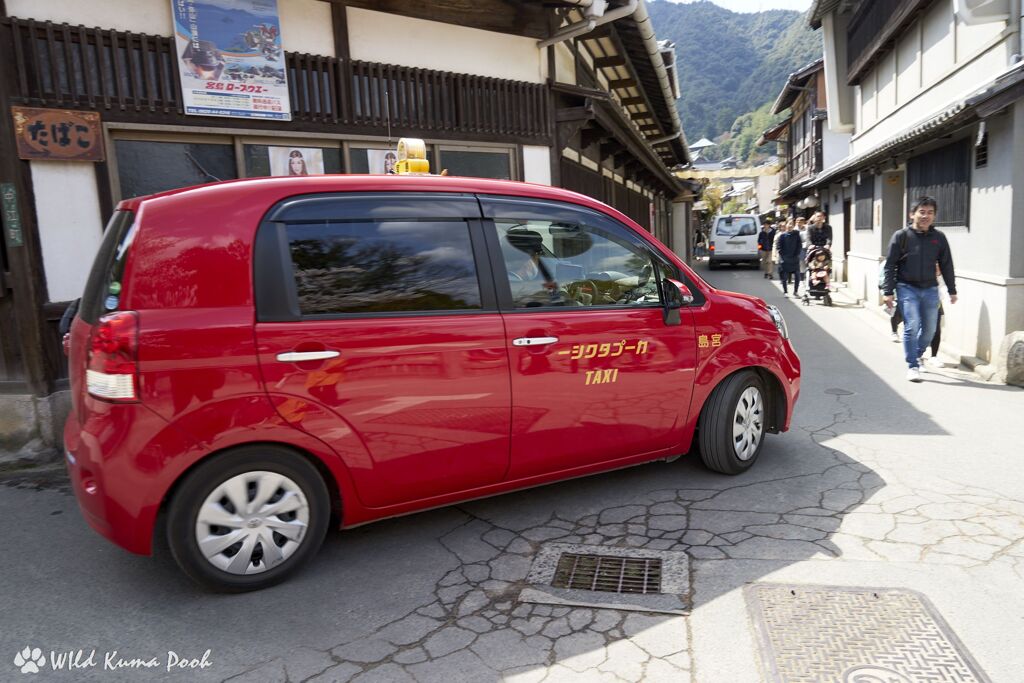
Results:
<point x="864" y="203"/>
<point x="945" y="174"/>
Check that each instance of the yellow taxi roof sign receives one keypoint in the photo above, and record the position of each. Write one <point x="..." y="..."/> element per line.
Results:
<point x="412" y="157"/>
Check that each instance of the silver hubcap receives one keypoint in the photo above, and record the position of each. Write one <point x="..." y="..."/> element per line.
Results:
<point x="748" y="424"/>
<point x="252" y="522"/>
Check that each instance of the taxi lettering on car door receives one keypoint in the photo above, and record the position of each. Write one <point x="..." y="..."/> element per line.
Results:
<point x="597" y="373"/>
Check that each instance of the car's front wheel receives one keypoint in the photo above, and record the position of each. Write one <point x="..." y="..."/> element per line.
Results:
<point x="732" y="423"/>
<point x="248" y="518"/>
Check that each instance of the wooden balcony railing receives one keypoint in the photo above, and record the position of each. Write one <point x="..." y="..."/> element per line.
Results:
<point x="135" y="76"/>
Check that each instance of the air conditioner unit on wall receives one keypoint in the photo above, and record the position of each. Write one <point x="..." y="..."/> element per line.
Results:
<point x="982" y="11"/>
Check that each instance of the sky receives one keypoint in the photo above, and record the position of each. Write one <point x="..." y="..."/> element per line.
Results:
<point x="758" y="5"/>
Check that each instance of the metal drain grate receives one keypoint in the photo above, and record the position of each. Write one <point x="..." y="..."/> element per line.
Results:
<point x="849" y="635"/>
<point x="608" y="573"/>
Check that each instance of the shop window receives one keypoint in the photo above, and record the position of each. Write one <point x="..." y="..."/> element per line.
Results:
<point x="943" y="173"/>
<point x="477" y="164"/>
<point x="275" y="160"/>
<point x="145" y="167"/>
<point x="379" y="159"/>
<point x="864" y="206"/>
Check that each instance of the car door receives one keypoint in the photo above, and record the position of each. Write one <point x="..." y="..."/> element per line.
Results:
<point x="379" y="334"/>
<point x="597" y="373"/>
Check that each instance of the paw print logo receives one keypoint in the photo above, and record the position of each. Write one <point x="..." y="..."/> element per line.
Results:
<point x="29" y="660"/>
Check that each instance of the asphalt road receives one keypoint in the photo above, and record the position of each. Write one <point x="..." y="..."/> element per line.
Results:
<point x="880" y="483"/>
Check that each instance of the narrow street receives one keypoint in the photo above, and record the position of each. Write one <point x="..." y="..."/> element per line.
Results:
<point x="879" y="484"/>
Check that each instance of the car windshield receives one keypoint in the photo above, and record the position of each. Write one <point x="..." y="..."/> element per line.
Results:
<point x="736" y="227"/>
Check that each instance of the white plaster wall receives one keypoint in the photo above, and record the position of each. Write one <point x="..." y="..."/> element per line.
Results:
<point x="933" y="100"/>
<point x="908" y="66"/>
<point x="937" y="42"/>
<point x="681" y="231"/>
<point x="142" y="16"/>
<point x="565" y="63"/>
<point x="970" y="39"/>
<point x="937" y="62"/>
<point x="868" y="105"/>
<point x="834" y="147"/>
<point x="984" y="247"/>
<point x="306" y="26"/>
<point x="537" y="164"/>
<point x="380" y="37"/>
<point x="68" y="215"/>
<point x="887" y="85"/>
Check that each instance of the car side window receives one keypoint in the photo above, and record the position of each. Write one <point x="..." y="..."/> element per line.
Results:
<point x="550" y="263"/>
<point x="383" y="267"/>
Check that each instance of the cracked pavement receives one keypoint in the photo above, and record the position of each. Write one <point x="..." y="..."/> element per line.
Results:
<point x="879" y="483"/>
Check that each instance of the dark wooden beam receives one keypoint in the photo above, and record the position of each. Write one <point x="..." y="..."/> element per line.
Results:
<point x="650" y="128"/>
<point x="25" y="263"/>
<point x="583" y="113"/>
<point x="517" y="18"/>
<point x="339" y="22"/>
<point x="613" y="60"/>
<point x="617" y="83"/>
<point x="629" y="101"/>
<point x="609" y="148"/>
<point x="621" y="159"/>
<point x="592" y="136"/>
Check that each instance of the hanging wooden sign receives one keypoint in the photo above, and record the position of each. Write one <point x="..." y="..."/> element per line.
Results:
<point x="59" y="134"/>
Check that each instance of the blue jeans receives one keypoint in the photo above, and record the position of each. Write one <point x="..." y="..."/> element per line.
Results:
<point x="920" y="308"/>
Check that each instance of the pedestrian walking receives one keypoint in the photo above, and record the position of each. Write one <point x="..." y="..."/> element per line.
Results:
<point x="700" y="246"/>
<point x="910" y="275"/>
<point x="765" y="243"/>
<point x="790" y="248"/>
<point x="820" y="232"/>
<point x="801" y="227"/>
<point x="784" y="227"/>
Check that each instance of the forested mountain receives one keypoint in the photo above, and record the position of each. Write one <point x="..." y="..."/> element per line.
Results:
<point x="731" y="65"/>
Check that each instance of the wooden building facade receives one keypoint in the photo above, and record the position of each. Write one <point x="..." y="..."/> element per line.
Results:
<point x="497" y="88"/>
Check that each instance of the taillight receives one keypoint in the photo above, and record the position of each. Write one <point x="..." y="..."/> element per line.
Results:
<point x="711" y="246"/>
<point x="112" y="367"/>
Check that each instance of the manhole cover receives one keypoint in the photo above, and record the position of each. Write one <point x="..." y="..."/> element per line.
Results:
<point x="854" y="635"/>
<point x="608" y="573"/>
<point x="635" y="579"/>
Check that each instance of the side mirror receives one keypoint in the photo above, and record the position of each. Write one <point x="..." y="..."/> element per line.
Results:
<point x="677" y="292"/>
<point x="676" y="296"/>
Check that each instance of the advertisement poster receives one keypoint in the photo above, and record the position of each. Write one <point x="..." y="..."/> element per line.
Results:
<point x="381" y="160"/>
<point x="230" y="58"/>
<point x="296" y="161"/>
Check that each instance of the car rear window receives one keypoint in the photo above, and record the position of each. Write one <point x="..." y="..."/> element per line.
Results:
<point x="102" y="293"/>
<point x="385" y="266"/>
<point x="736" y="227"/>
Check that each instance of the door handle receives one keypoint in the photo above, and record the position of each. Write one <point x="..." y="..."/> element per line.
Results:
<point x="534" y="341"/>
<point x="299" y="356"/>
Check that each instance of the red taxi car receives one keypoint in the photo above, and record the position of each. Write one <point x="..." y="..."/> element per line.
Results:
<point x="256" y="360"/>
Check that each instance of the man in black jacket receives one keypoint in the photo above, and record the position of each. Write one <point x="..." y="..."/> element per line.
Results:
<point x="820" y="232"/>
<point x="910" y="274"/>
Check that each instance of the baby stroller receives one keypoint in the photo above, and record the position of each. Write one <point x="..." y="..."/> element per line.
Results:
<point x="819" y="274"/>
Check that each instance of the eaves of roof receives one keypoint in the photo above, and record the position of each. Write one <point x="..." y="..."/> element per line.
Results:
<point x="795" y="84"/>
<point x="985" y="101"/>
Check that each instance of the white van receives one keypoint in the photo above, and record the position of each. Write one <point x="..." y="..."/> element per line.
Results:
<point x="734" y="240"/>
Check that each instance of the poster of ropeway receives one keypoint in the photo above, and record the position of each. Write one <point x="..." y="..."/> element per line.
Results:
<point x="230" y="58"/>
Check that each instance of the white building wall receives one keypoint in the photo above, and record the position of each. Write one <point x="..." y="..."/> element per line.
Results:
<point x="834" y="147"/>
<point x="392" y="39"/>
<point x="70" y="228"/>
<point x="305" y="24"/>
<point x="537" y="164"/>
<point x="936" y="62"/>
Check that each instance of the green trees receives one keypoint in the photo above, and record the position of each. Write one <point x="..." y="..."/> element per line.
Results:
<point x="732" y="66"/>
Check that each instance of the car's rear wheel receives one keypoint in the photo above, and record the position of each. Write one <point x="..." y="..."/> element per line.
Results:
<point x="732" y="424"/>
<point x="248" y="518"/>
